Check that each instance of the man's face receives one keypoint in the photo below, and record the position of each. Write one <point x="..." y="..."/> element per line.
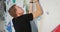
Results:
<point x="16" y="11"/>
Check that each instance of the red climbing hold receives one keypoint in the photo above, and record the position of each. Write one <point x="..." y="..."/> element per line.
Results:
<point x="57" y="29"/>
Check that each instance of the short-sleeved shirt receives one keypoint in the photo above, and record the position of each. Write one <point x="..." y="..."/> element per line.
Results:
<point x="22" y="23"/>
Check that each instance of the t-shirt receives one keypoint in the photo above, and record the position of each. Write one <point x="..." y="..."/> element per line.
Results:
<point x="22" y="23"/>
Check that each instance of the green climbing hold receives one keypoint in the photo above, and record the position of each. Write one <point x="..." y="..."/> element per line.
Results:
<point x="14" y="1"/>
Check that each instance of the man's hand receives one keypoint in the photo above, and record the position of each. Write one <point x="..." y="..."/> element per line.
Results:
<point x="35" y="0"/>
<point x="31" y="0"/>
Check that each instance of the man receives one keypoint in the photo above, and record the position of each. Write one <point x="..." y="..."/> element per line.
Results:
<point x="21" y="21"/>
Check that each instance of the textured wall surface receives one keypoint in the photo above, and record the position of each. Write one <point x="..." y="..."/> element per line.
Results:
<point x="51" y="16"/>
<point x="1" y="16"/>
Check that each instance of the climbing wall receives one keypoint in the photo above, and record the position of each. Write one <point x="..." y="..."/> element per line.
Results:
<point x="45" y="23"/>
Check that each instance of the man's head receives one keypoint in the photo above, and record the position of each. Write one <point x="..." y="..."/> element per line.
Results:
<point x="16" y="11"/>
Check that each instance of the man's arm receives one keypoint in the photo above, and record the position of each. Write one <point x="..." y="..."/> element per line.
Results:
<point x="31" y="7"/>
<point x="38" y="11"/>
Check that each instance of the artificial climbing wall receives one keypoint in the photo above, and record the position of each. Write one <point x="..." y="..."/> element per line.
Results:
<point x="45" y="23"/>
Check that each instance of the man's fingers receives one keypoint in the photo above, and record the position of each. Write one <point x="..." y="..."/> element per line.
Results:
<point x="35" y="0"/>
<point x="31" y="0"/>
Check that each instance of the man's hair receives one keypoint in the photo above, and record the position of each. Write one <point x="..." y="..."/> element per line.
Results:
<point x="13" y="10"/>
<point x="11" y="7"/>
